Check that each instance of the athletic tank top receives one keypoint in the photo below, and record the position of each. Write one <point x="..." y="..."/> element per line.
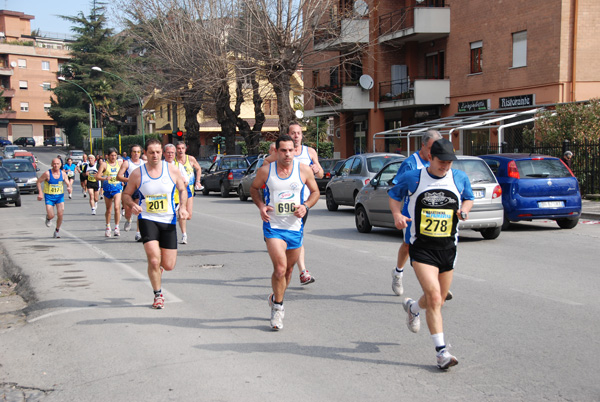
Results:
<point x="157" y="196"/>
<point x="112" y="184"/>
<point x="183" y="174"/>
<point x="189" y="169"/>
<point x="54" y="186"/>
<point x="304" y="157"/>
<point x="91" y="171"/>
<point x="432" y="208"/>
<point x="132" y="166"/>
<point x="284" y="194"/>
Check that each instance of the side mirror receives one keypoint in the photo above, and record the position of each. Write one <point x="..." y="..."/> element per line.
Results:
<point x="374" y="182"/>
<point x="37" y="169"/>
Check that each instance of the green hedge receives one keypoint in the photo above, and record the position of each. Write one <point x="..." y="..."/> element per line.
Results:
<point x="113" y="142"/>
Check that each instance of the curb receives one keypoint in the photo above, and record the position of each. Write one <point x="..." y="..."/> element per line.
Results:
<point x="13" y="271"/>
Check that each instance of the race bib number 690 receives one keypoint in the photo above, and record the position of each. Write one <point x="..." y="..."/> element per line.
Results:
<point x="436" y="222"/>
<point x="285" y="208"/>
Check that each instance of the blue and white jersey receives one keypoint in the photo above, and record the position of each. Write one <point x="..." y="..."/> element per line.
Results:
<point x="157" y="196"/>
<point x="413" y="162"/>
<point x="132" y="166"/>
<point x="432" y="205"/>
<point x="304" y="157"/>
<point x="284" y="195"/>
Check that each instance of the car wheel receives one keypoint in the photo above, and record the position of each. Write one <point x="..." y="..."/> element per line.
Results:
<point x="224" y="192"/>
<point x="362" y="220"/>
<point x="205" y="190"/>
<point x="567" y="223"/>
<point x="505" y="222"/>
<point x="243" y="197"/>
<point x="491" y="233"/>
<point x="18" y="203"/>
<point x="331" y="204"/>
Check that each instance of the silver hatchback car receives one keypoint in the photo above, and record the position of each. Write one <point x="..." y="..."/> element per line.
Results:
<point x="354" y="174"/>
<point x="244" y="187"/>
<point x="486" y="216"/>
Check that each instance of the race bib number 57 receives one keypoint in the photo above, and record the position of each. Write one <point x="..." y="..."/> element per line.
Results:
<point x="156" y="204"/>
<point x="436" y="222"/>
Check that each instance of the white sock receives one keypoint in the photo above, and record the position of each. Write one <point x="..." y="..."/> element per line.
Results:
<point x="400" y="271"/>
<point x="414" y="308"/>
<point x="438" y="340"/>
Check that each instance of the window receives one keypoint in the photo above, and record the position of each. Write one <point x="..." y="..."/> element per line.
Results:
<point x="519" y="49"/>
<point x="24" y="106"/>
<point x="334" y="76"/>
<point x="47" y="107"/>
<point x="46" y="65"/>
<point x="434" y="65"/>
<point x="160" y="112"/>
<point x="47" y="86"/>
<point x="22" y="84"/>
<point x="169" y="112"/>
<point x="476" y="57"/>
<point x="22" y="63"/>
<point x="315" y="79"/>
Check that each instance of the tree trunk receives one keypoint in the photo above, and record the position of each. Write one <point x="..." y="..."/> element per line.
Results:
<point x="192" y="127"/>
<point x="282" y="87"/>
<point x="226" y="116"/>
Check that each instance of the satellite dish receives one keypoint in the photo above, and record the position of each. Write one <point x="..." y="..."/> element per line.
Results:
<point x="420" y="1"/>
<point x="361" y="8"/>
<point x="13" y="64"/>
<point x="365" y="81"/>
<point x="299" y="114"/>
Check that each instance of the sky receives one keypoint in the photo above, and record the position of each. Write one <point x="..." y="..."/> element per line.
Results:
<point x="46" y="12"/>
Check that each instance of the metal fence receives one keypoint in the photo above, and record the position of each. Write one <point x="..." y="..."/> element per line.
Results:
<point x="585" y="163"/>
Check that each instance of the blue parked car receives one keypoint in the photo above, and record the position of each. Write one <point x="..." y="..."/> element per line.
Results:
<point x="536" y="187"/>
<point x="4" y="142"/>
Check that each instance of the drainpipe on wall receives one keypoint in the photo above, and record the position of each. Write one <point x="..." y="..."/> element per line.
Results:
<point x="574" y="52"/>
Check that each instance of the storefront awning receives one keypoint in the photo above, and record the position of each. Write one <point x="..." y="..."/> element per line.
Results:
<point x="447" y="125"/>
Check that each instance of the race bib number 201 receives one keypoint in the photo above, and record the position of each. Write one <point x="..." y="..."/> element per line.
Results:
<point x="156" y="204"/>
<point x="436" y="222"/>
<point x="285" y="208"/>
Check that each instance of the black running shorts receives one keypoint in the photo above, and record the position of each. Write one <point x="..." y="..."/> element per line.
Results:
<point x="94" y="185"/>
<point x="164" y="233"/>
<point x="444" y="260"/>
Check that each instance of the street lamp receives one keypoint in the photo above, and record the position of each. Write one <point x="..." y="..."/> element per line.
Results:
<point x="95" y="68"/>
<point x="89" y="96"/>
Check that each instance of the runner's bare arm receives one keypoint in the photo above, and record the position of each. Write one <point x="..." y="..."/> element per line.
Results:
<point x="255" y="192"/>
<point x="132" y="185"/>
<point x="121" y="174"/>
<point x="316" y="166"/>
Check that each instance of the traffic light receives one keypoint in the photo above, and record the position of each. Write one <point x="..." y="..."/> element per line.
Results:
<point x="218" y="140"/>
<point x="179" y="133"/>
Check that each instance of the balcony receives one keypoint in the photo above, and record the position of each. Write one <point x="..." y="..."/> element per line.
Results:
<point x="6" y="71"/>
<point x="7" y="92"/>
<point x="337" y="98"/>
<point x="414" y="24"/>
<point x="410" y="93"/>
<point x="7" y="114"/>
<point x="341" y="35"/>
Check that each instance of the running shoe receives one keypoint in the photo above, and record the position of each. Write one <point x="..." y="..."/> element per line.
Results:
<point x="277" y="313"/>
<point x="48" y="222"/>
<point x="93" y="211"/>
<point x="413" y="321"/>
<point x="184" y="238"/>
<point x="159" y="302"/>
<point x="70" y="196"/>
<point x="123" y="212"/>
<point x="138" y="237"/>
<point x="117" y="231"/>
<point x="107" y="232"/>
<point x="449" y="296"/>
<point x="397" y="286"/>
<point x="445" y="360"/>
<point x="271" y="304"/>
<point x="101" y="197"/>
<point x="127" y="226"/>
<point x="56" y="234"/>
<point x="84" y="195"/>
<point x="306" y="278"/>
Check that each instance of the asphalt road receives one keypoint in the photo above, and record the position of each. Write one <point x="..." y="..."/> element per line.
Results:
<point x="523" y="323"/>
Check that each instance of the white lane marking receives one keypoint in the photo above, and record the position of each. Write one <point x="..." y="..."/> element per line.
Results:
<point x="70" y="310"/>
<point x="554" y="299"/>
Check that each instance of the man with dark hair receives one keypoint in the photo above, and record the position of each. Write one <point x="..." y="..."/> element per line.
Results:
<point x="54" y="193"/>
<point x="308" y="156"/>
<point x="127" y="168"/>
<point x="438" y="197"/>
<point x="194" y="172"/>
<point x="157" y="181"/>
<point x="282" y="211"/>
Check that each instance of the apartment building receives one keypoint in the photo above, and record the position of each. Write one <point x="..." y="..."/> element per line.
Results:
<point x="28" y="67"/>
<point x="465" y="68"/>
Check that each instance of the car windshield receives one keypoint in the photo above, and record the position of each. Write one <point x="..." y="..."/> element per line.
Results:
<point x="76" y="153"/>
<point x="536" y="168"/>
<point x="234" y="164"/>
<point x="477" y="170"/>
<point x="388" y="173"/>
<point x="375" y="163"/>
<point x="327" y="165"/>
<point x="18" y="166"/>
<point x="4" y="174"/>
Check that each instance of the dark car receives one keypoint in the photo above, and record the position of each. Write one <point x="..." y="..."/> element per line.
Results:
<point x="54" y="141"/>
<point x="23" y="172"/>
<point x="4" y="141"/>
<point x="25" y="141"/>
<point x="536" y="187"/>
<point x="328" y="166"/>
<point x="246" y="182"/>
<point x="225" y="175"/>
<point x="9" y="192"/>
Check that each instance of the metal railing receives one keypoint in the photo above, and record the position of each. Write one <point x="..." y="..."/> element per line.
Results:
<point x="404" y="17"/>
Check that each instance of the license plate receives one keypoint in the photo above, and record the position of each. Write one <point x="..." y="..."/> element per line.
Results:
<point x="551" y="204"/>
<point x="479" y="193"/>
<point x="20" y="184"/>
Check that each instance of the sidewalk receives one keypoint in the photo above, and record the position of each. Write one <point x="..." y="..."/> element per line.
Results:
<point x="590" y="210"/>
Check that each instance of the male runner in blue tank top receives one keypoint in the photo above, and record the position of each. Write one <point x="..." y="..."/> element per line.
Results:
<point x="157" y="182"/>
<point x="54" y="193"/>
<point x="438" y="196"/>
<point x="282" y="210"/>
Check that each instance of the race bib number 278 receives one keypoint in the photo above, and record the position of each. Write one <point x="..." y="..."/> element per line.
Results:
<point x="436" y="222"/>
